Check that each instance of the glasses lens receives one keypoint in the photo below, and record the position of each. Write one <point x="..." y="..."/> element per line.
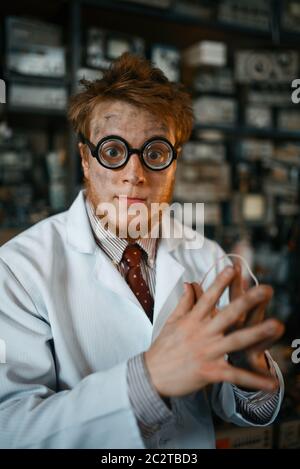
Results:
<point x="158" y="154"/>
<point x="113" y="153"/>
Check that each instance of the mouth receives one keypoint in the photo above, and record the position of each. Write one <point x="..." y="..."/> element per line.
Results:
<point x="131" y="200"/>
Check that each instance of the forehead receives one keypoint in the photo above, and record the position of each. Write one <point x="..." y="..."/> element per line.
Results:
<point x="124" y="118"/>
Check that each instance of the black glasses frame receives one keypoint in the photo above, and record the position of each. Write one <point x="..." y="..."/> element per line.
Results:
<point x="94" y="149"/>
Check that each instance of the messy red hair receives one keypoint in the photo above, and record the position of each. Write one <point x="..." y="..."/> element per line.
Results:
<point x="135" y="80"/>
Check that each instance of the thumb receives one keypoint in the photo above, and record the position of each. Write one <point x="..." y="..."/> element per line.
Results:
<point x="185" y="303"/>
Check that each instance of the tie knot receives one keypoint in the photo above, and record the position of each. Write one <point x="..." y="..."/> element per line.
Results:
<point x="132" y="255"/>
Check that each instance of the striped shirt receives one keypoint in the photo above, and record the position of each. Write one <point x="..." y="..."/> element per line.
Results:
<point x="150" y="409"/>
<point x="259" y="405"/>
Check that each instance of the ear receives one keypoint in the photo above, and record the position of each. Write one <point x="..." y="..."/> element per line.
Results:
<point x="85" y="161"/>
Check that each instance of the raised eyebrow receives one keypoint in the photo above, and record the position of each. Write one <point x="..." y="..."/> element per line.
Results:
<point x="157" y="136"/>
<point x="152" y="136"/>
<point x="109" y="135"/>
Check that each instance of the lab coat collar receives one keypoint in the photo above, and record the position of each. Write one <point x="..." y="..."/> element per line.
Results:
<point x="79" y="232"/>
<point x="169" y="270"/>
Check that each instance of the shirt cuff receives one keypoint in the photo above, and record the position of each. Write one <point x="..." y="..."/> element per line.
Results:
<point x="258" y="406"/>
<point x="150" y="409"/>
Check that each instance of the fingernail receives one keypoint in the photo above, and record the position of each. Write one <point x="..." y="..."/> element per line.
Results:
<point x="185" y="287"/>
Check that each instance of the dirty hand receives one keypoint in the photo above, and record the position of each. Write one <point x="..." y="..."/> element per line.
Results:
<point x="189" y="353"/>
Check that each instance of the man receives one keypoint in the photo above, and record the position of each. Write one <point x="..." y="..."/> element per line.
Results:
<point x="111" y="341"/>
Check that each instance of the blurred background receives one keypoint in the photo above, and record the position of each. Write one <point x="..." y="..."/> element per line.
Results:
<point x="238" y="59"/>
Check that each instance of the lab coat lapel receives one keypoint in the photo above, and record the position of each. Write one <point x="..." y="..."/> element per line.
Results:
<point x="106" y="273"/>
<point x="80" y="237"/>
<point x="78" y="230"/>
<point x="168" y="273"/>
<point x="169" y="270"/>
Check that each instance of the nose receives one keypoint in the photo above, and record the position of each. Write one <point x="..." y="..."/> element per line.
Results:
<point x="133" y="172"/>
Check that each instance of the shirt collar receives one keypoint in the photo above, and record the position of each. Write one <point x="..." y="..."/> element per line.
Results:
<point x="114" y="246"/>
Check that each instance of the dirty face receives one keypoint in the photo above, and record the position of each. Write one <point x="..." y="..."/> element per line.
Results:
<point x="140" y="184"/>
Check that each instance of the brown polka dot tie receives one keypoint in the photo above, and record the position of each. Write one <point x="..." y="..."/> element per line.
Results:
<point x="133" y="275"/>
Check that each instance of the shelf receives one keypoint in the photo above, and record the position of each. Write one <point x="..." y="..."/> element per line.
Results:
<point x="243" y="131"/>
<point x="10" y="77"/>
<point x="35" y="111"/>
<point x="170" y="15"/>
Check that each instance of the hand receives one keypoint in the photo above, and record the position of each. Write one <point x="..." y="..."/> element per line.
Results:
<point x="189" y="352"/>
<point x="252" y="358"/>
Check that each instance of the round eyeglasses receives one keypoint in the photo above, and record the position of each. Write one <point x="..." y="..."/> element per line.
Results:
<point x="113" y="152"/>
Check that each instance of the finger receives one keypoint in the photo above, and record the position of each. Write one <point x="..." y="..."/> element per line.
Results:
<point x="247" y="337"/>
<point x="255" y="357"/>
<point x="258" y="314"/>
<point x="208" y="300"/>
<point x="185" y="304"/>
<point x="268" y="343"/>
<point x="197" y="290"/>
<point x="249" y="362"/>
<point x="257" y="362"/>
<point x="240" y="307"/>
<point x="248" y="379"/>
<point x="198" y="293"/>
<point x="236" y="287"/>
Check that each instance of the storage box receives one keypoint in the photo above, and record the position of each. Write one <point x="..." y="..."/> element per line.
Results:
<point x="206" y="53"/>
<point x="42" y="97"/>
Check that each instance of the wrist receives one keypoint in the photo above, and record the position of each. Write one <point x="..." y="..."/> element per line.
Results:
<point x="149" y="371"/>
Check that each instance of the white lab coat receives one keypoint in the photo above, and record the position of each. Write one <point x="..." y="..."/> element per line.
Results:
<point x="70" y="323"/>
